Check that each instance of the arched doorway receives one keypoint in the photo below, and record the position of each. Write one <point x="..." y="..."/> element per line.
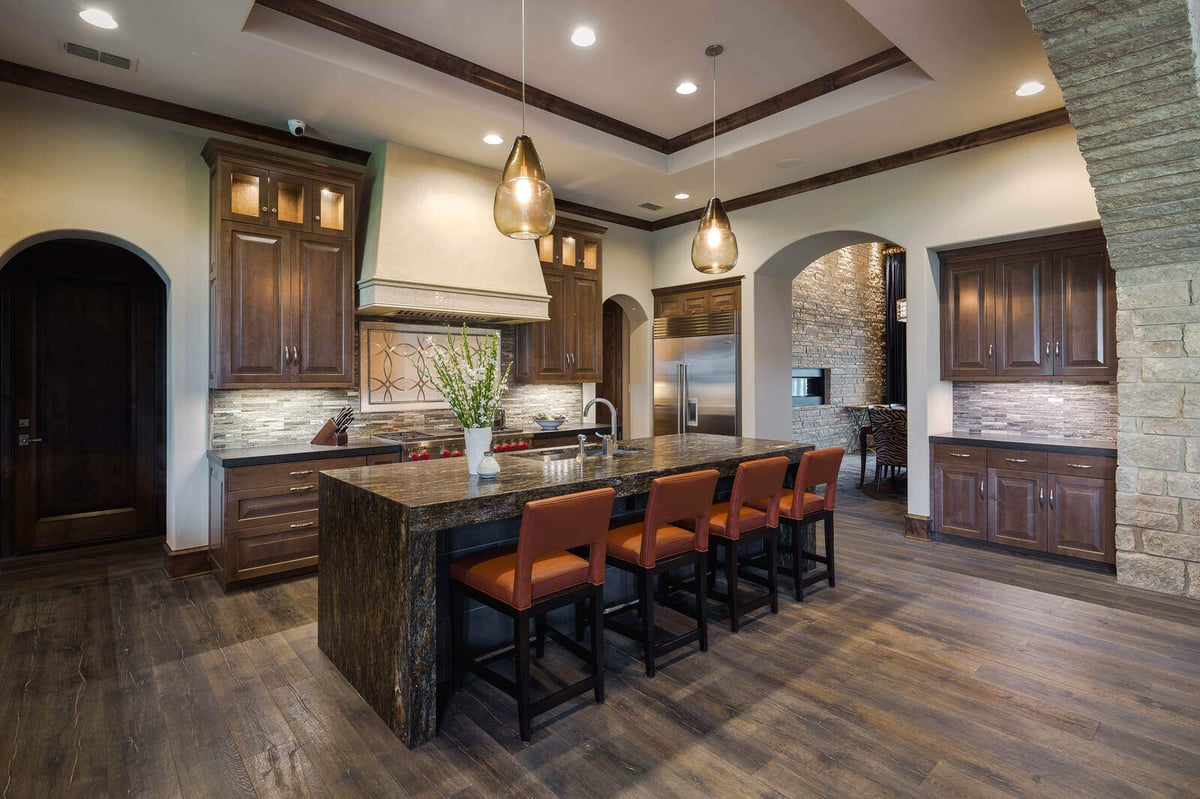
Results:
<point x="83" y="394"/>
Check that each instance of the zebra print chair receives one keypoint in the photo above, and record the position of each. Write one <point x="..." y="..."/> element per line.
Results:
<point x="889" y="428"/>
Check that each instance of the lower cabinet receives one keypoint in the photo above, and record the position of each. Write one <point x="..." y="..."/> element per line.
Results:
<point x="264" y="520"/>
<point x="1042" y="501"/>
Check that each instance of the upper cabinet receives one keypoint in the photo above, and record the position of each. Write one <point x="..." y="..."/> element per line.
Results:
<point x="1031" y="309"/>
<point x="281" y="270"/>
<point x="566" y="349"/>
<point x="710" y="296"/>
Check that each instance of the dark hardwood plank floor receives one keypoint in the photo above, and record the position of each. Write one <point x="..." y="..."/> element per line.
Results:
<point x="932" y="669"/>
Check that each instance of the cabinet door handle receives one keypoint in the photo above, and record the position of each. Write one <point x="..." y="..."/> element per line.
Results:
<point x="989" y="350"/>
<point x="300" y="474"/>
<point x="1056" y="352"/>
<point x="959" y="454"/>
<point x="1052" y="498"/>
<point x="295" y="355"/>
<point x="300" y="525"/>
<point x="301" y="488"/>
<point x="1017" y="460"/>
<point x="1042" y="496"/>
<point x="981" y="494"/>
<point x="1047" y="347"/>
<point x="1080" y="465"/>
<point x="287" y="358"/>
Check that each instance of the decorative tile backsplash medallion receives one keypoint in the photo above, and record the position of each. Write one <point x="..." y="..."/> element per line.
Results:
<point x="388" y="377"/>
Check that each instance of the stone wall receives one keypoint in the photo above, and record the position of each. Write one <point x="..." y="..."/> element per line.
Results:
<point x="837" y="323"/>
<point x="1128" y="73"/>
<point x="1075" y="410"/>
<point x="264" y="417"/>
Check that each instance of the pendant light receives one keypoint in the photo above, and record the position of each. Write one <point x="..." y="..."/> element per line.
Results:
<point x="714" y="248"/>
<point x="524" y="205"/>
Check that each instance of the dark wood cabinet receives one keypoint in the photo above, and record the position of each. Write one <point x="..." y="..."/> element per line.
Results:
<point x="959" y="490"/>
<point x="1042" y="501"/>
<point x="566" y="349"/>
<point x="1029" y="309"/>
<point x="692" y="299"/>
<point x="282" y="271"/>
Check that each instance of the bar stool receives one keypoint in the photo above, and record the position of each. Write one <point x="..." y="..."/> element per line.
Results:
<point x="802" y="507"/>
<point x="730" y="523"/>
<point x="538" y="576"/>
<point x="655" y="546"/>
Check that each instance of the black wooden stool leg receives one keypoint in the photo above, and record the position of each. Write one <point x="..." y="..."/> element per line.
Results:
<point x="597" y="605"/>
<point x="702" y="599"/>
<point x="829" y="549"/>
<point x="797" y="558"/>
<point x="731" y="575"/>
<point x="521" y="640"/>
<point x="539" y="626"/>
<point x="646" y="600"/>
<point x="773" y="567"/>
<point x="579" y="621"/>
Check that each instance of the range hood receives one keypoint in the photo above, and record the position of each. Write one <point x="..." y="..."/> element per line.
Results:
<point x="432" y="250"/>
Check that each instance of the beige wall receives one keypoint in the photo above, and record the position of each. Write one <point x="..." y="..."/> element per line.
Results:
<point x="71" y="168"/>
<point x="1031" y="184"/>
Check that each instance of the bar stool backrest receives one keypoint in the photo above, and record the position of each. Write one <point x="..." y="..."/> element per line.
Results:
<point x="818" y="467"/>
<point x="675" y="498"/>
<point x="757" y="479"/>
<point x="557" y="524"/>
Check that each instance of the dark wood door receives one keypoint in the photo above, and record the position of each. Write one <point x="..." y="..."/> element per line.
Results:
<point x="1024" y="314"/>
<point x="1017" y="508"/>
<point x="257" y="293"/>
<point x="84" y="382"/>
<point x="1085" y="336"/>
<point x="1080" y="517"/>
<point x="324" y="302"/>
<point x="960" y="503"/>
<point x="968" y="320"/>
<point x="584" y="326"/>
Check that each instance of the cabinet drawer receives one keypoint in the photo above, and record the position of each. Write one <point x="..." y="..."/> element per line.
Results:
<point x="953" y="453"/>
<point x="383" y="457"/>
<point x="273" y="549"/>
<point x="1099" y="466"/>
<point x="1023" y="460"/>
<point x="286" y="474"/>
<point x="258" y="506"/>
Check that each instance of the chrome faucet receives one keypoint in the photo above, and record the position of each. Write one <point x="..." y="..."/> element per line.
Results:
<point x="612" y="417"/>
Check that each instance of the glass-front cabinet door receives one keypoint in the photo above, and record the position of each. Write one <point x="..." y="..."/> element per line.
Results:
<point x="290" y="201"/>
<point x="244" y="194"/>
<point x="335" y="208"/>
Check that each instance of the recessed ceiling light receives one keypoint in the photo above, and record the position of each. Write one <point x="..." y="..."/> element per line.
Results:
<point x="687" y="87"/>
<point x="1030" y="88"/>
<point x="99" y="18"/>
<point x="683" y="195"/>
<point x="493" y="138"/>
<point x="583" y="36"/>
<point x="789" y="163"/>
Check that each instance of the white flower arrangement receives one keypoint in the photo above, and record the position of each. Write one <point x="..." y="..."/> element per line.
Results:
<point x="466" y="375"/>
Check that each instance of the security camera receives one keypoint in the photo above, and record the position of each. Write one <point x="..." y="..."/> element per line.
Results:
<point x="297" y="126"/>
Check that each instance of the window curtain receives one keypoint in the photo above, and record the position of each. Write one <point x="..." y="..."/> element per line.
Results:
<point x="895" y="338"/>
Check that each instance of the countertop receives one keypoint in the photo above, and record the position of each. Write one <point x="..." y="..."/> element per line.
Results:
<point x="1067" y="446"/>
<point x="282" y="453"/>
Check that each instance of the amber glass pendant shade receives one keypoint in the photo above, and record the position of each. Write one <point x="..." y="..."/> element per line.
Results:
<point x="714" y="248"/>
<point x="524" y="205"/>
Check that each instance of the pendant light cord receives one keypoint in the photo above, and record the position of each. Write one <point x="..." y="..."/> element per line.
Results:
<point x="714" y="125"/>
<point x="522" y="67"/>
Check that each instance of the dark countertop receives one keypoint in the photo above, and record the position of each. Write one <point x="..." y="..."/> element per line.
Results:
<point x="283" y="453"/>
<point x="435" y="494"/>
<point x="1067" y="446"/>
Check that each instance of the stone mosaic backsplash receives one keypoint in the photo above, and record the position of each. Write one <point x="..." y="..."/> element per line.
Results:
<point x="1068" y="410"/>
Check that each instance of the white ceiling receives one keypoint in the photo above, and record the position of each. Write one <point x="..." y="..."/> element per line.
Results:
<point x="229" y="57"/>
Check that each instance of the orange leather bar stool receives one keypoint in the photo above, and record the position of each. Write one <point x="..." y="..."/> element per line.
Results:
<point x="738" y="520"/>
<point x="655" y="546"/>
<point x="802" y="507"/>
<point x="538" y="576"/>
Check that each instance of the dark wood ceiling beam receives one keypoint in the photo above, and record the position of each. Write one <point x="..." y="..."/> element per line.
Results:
<point x="838" y="79"/>
<point x="54" y="83"/>
<point x="366" y="32"/>
<point x="592" y="212"/>
<point x="968" y="141"/>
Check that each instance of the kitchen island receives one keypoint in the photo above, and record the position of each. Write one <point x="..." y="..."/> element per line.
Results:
<point x="382" y="530"/>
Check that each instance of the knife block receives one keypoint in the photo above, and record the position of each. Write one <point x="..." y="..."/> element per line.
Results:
<point x="329" y="436"/>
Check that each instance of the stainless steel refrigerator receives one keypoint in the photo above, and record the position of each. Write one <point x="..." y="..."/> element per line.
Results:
<point x="696" y="388"/>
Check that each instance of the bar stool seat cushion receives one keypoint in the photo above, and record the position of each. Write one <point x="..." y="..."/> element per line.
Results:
<point x="812" y="503"/>
<point x="495" y="574"/>
<point x="625" y="542"/>
<point x="749" y="518"/>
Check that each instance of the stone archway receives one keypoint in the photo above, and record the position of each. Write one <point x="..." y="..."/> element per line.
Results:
<point x="1129" y="76"/>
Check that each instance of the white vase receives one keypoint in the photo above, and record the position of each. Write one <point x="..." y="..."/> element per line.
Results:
<point x="488" y="466"/>
<point x="479" y="441"/>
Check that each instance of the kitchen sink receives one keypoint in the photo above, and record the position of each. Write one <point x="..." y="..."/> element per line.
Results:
<point x="551" y="454"/>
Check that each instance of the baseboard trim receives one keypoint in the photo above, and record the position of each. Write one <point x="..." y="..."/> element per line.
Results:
<point x="916" y="527"/>
<point x="180" y="564"/>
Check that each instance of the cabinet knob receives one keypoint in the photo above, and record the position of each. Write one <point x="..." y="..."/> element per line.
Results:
<point x="264" y="209"/>
<point x="316" y="219"/>
<point x="274" y="211"/>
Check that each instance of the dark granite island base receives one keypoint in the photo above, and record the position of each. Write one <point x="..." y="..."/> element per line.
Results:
<point x="380" y="529"/>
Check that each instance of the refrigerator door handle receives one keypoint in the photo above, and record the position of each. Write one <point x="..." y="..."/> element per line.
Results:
<point x="681" y="388"/>
<point x="693" y="412"/>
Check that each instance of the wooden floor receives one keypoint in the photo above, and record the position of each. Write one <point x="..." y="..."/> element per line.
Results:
<point x="930" y="670"/>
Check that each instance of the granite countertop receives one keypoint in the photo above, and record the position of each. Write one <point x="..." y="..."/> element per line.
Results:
<point x="1069" y="446"/>
<point x="436" y="493"/>
<point x="282" y="453"/>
